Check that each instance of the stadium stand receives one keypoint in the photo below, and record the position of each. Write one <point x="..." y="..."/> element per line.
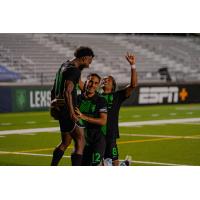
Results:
<point x="27" y="56"/>
<point x="37" y="56"/>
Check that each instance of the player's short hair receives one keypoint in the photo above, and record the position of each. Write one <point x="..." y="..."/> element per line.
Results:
<point x="83" y="51"/>
<point x="114" y="83"/>
<point x="94" y="74"/>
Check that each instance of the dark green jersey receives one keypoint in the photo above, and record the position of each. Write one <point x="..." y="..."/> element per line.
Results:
<point x="92" y="107"/>
<point x="114" y="101"/>
<point x="67" y="71"/>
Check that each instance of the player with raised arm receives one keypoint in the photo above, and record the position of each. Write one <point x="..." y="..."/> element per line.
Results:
<point x="64" y="101"/>
<point x="114" y="100"/>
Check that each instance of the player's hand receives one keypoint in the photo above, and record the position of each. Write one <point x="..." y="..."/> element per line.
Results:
<point x="54" y="103"/>
<point x="74" y="117"/>
<point x="80" y="115"/>
<point x="78" y="112"/>
<point x="130" y="58"/>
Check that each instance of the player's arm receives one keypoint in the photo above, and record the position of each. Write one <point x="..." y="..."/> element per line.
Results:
<point x="133" y="82"/>
<point x="102" y="120"/>
<point x="53" y="96"/>
<point x="53" y="91"/>
<point x="69" y="86"/>
<point x="81" y="85"/>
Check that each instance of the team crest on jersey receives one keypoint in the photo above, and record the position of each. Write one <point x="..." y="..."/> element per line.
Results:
<point x="109" y="100"/>
<point x="93" y="107"/>
<point x="87" y="107"/>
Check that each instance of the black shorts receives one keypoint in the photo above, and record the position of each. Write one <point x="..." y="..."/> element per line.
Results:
<point x="94" y="151"/>
<point x="111" y="150"/>
<point x="66" y="124"/>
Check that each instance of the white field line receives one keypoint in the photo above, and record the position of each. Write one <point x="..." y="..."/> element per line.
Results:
<point x="157" y="163"/>
<point x="160" y="136"/>
<point x="30" y="122"/>
<point x="188" y="108"/>
<point x="5" y="124"/>
<point x="122" y="124"/>
<point x="28" y="134"/>
<point x="157" y="122"/>
<point x="49" y="155"/>
<point x="26" y="131"/>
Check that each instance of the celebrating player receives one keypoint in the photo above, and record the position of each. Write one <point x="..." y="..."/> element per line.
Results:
<point x="93" y="111"/>
<point x="64" y="100"/>
<point x="114" y="100"/>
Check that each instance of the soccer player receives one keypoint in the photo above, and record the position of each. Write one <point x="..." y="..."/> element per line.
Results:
<point x="64" y="101"/>
<point x="93" y="111"/>
<point x="114" y="100"/>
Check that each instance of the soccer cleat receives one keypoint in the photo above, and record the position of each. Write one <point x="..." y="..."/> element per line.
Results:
<point x="127" y="161"/>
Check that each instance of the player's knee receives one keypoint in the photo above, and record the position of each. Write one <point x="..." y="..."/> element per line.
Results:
<point x="64" y="146"/>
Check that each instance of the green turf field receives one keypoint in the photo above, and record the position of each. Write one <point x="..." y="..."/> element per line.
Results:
<point x="160" y="144"/>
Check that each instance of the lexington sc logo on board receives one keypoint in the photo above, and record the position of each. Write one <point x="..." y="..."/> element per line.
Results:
<point x="162" y="95"/>
<point x="26" y="99"/>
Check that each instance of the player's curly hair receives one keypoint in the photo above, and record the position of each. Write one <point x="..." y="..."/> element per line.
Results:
<point x="114" y="83"/>
<point x="83" y="51"/>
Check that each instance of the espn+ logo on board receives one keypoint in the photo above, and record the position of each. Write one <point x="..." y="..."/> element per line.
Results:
<point x="160" y="95"/>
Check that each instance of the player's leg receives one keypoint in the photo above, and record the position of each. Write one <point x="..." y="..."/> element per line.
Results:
<point x="115" y="154"/>
<point x="112" y="152"/>
<point x="66" y="125"/>
<point x="98" y="151"/>
<point x="60" y="149"/>
<point x="87" y="156"/>
<point x="79" y="142"/>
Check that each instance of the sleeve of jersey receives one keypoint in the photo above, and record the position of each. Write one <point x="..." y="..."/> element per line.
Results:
<point x="102" y="105"/>
<point x="72" y="74"/>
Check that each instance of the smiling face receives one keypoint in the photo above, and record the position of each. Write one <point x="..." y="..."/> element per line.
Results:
<point x="92" y="84"/>
<point x="107" y="83"/>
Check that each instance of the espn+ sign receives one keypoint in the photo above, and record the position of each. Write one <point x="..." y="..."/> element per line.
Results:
<point x="160" y="95"/>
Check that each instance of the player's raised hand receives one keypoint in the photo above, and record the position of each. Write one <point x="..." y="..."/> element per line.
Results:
<point x="130" y="58"/>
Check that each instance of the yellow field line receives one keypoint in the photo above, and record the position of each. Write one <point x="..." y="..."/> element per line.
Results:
<point x="122" y="142"/>
<point x="36" y="150"/>
<point x="147" y="140"/>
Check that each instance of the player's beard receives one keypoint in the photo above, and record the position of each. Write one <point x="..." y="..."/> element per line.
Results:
<point x="81" y="67"/>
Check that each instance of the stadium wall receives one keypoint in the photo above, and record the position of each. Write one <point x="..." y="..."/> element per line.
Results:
<point x="24" y="98"/>
<point x="37" y="98"/>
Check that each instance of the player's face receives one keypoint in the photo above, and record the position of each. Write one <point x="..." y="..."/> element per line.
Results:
<point x="88" y="61"/>
<point x="92" y="84"/>
<point x="107" y="83"/>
